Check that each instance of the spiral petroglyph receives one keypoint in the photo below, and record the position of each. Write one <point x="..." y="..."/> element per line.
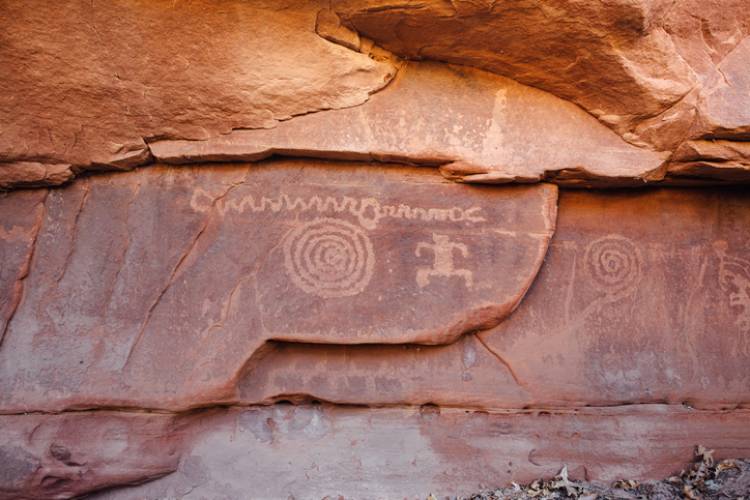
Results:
<point x="614" y="264"/>
<point x="329" y="258"/>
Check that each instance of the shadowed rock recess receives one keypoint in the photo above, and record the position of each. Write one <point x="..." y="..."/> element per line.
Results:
<point x="275" y="249"/>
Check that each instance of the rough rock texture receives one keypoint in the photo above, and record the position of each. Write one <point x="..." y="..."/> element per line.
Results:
<point x="86" y="87"/>
<point x="652" y="70"/>
<point x="481" y="127"/>
<point x="363" y="320"/>
<point x="715" y="160"/>
<point x="232" y="257"/>
<point x="648" y="68"/>
<point x="656" y="309"/>
<point x="51" y="456"/>
<point x="22" y="219"/>
<point x="319" y="451"/>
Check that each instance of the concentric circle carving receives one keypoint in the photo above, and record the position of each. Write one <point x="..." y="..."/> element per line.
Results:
<point x="614" y="265"/>
<point x="329" y="258"/>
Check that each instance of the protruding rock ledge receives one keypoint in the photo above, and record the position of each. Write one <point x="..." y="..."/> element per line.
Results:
<point x="705" y="161"/>
<point x="613" y="59"/>
<point x="73" y="92"/>
<point x="23" y="174"/>
<point x="657" y="76"/>
<point x="656" y="72"/>
<point x="488" y="128"/>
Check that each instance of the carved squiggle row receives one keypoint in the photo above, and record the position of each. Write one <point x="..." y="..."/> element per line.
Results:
<point x="368" y="211"/>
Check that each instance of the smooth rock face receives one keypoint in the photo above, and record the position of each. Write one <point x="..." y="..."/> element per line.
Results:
<point x="311" y="451"/>
<point x="22" y="215"/>
<point x="319" y="452"/>
<point x="486" y="128"/>
<point x="723" y="110"/>
<point x="86" y="84"/>
<point x="181" y="275"/>
<point x="654" y="309"/>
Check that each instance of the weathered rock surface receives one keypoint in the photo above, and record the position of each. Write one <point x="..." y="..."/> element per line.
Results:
<point x="22" y="216"/>
<point x="714" y="160"/>
<point x="656" y="71"/>
<point x="656" y="309"/>
<point x="605" y="56"/>
<point x="351" y="322"/>
<point x="181" y="275"/>
<point x="83" y="84"/>
<point x="318" y="451"/>
<point x="481" y="127"/>
<point x="62" y="456"/>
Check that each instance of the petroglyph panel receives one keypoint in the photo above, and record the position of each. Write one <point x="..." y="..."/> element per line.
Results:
<point x="651" y="309"/>
<point x="181" y="275"/>
<point x="657" y="311"/>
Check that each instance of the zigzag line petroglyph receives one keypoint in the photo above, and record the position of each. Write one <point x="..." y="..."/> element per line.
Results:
<point x="368" y="211"/>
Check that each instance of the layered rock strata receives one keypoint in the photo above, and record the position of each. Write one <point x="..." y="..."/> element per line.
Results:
<point x="651" y="71"/>
<point x="312" y="285"/>
<point x="221" y="321"/>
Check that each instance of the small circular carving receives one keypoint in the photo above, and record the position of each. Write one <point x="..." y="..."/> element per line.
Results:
<point x="614" y="264"/>
<point x="329" y="258"/>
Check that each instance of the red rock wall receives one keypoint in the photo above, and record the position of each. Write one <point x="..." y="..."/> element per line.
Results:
<point x="259" y="249"/>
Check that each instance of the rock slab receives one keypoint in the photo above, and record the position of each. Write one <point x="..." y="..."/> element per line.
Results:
<point x="158" y="288"/>
<point x="652" y="308"/>
<point x="478" y="126"/>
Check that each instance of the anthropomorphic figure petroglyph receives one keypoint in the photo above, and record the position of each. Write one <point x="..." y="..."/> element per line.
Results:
<point x="443" y="265"/>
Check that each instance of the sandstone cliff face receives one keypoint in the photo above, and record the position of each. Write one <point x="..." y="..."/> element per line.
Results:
<point x="259" y="249"/>
<point x="94" y="88"/>
<point x="87" y="88"/>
